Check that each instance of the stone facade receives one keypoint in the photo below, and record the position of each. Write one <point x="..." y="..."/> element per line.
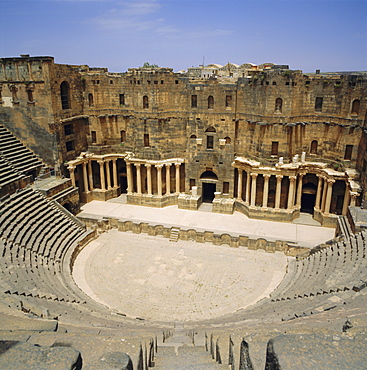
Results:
<point x="271" y="143"/>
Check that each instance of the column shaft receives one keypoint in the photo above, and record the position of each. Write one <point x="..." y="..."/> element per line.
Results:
<point x="239" y="184"/>
<point x="159" y="179"/>
<point x="72" y="175"/>
<point x="266" y="191"/>
<point x="138" y="178"/>
<point x="102" y="176"/>
<point x="324" y="192"/>
<point x="253" y="189"/>
<point x="168" y="179"/>
<point x="90" y="175"/>
<point x="149" y="178"/>
<point x="318" y="193"/>
<point x="299" y="191"/>
<point x="248" y="178"/>
<point x="85" y="177"/>
<point x="346" y="200"/>
<point x="114" y="170"/>
<point x="129" y="178"/>
<point x="108" y="174"/>
<point x="278" y="190"/>
<point x="328" y="195"/>
<point x="177" y="177"/>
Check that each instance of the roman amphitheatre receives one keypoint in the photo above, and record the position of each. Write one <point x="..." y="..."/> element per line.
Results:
<point x="211" y="218"/>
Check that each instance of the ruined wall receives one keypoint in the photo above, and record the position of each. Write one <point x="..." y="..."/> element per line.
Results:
<point x="26" y="102"/>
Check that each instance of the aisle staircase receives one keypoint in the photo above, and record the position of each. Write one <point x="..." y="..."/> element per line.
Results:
<point x="180" y="353"/>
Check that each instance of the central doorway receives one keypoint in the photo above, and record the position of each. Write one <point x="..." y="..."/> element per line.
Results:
<point x="308" y="197"/>
<point x="208" y="192"/>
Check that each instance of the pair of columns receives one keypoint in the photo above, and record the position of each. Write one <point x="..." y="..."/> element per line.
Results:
<point x="148" y="166"/>
<point x="104" y="172"/>
<point x="251" y="189"/>
<point x="325" y="192"/>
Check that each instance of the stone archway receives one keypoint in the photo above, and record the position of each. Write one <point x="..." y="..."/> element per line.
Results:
<point x="209" y="185"/>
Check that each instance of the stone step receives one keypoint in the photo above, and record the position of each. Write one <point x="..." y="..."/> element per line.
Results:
<point x="185" y="358"/>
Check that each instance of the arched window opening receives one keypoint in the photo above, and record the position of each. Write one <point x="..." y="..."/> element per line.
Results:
<point x="90" y="100"/>
<point x="210" y="129"/>
<point x="313" y="147"/>
<point x="228" y="140"/>
<point x="210" y="102"/>
<point x="65" y="98"/>
<point x="278" y="104"/>
<point x="193" y="137"/>
<point x="355" y="106"/>
<point x="145" y="102"/>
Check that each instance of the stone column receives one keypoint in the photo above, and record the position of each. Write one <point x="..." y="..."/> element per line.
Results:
<point x="108" y="174"/>
<point x="253" y="189"/>
<point x="292" y="180"/>
<point x="129" y="178"/>
<point x="266" y="190"/>
<point x="159" y="179"/>
<point x="114" y="171"/>
<point x="168" y="179"/>
<point x="239" y="184"/>
<point x="72" y="175"/>
<point x="299" y="190"/>
<point x="138" y="178"/>
<point x="353" y="200"/>
<point x="324" y="191"/>
<point x="85" y="177"/>
<point x="177" y="177"/>
<point x="247" y="199"/>
<point x="318" y="193"/>
<point x="278" y="190"/>
<point x="149" y="178"/>
<point x="329" y="193"/>
<point x="101" y="174"/>
<point x="346" y="200"/>
<point x="90" y="175"/>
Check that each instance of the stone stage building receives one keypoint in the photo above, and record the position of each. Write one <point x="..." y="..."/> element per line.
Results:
<point x="264" y="140"/>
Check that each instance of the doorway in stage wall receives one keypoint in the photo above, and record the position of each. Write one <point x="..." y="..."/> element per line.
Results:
<point x="308" y="197"/>
<point x="209" y="181"/>
<point x="208" y="192"/>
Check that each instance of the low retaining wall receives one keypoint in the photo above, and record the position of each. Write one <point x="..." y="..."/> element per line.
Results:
<point x="104" y="224"/>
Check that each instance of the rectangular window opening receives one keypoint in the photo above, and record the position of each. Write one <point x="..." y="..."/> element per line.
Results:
<point x="274" y="147"/>
<point x="225" y="187"/>
<point x="122" y="99"/>
<point x="70" y="146"/>
<point x="94" y="137"/>
<point x="146" y="140"/>
<point x="348" y="152"/>
<point x="210" y="142"/>
<point x="68" y="129"/>
<point x="318" y="104"/>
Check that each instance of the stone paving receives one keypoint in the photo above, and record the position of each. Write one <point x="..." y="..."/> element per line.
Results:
<point x="236" y="224"/>
<point x="149" y="277"/>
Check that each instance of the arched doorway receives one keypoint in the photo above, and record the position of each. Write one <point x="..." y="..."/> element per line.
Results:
<point x="308" y="197"/>
<point x="209" y="182"/>
<point x="67" y="206"/>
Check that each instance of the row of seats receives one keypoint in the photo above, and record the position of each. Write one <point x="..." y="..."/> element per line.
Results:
<point x="339" y="267"/>
<point x="14" y="152"/>
<point x="8" y="174"/>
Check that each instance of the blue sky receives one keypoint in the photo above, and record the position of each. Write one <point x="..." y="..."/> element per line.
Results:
<point x="330" y="35"/>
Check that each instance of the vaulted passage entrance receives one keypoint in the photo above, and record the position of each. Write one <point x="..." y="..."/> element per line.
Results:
<point x="208" y="192"/>
<point x="308" y="197"/>
<point x="208" y="180"/>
